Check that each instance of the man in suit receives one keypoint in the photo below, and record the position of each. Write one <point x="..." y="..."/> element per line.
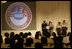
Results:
<point x="44" y="24"/>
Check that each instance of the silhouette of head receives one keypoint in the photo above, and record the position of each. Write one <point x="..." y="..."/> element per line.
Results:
<point x="44" y="21"/>
<point x="6" y="34"/>
<point x="59" y="23"/>
<point x="63" y="21"/>
<point x="12" y="34"/>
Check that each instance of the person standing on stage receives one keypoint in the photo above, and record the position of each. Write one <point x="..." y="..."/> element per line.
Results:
<point x="44" y="24"/>
<point x="58" y="28"/>
<point x="64" y="28"/>
<point x="47" y="34"/>
<point x="51" y="26"/>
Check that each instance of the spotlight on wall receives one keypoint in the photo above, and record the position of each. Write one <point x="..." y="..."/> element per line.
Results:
<point x="3" y="1"/>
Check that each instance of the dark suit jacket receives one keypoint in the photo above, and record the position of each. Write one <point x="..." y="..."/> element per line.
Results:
<point x="44" y="25"/>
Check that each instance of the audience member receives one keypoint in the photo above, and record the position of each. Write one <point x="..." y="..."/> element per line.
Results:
<point x="21" y="34"/>
<point x="16" y="36"/>
<point x="25" y="35"/>
<point x="12" y="34"/>
<point x="29" y="40"/>
<point x="16" y="41"/>
<point x="60" y="39"/>
<point x="20" y="42"/>
<point x="66" y="40"/>
<point x="37" y="35"/>
<point x="29" y="34"/>
<point x="43" y="40"/>
<point x="54" y="34"/>
<point x="47" y="34"/>
<point x="12" y="40"/>
<point x="38" y="45"/>
<point x="7" y="40"/>
<point x="56" y="42"/>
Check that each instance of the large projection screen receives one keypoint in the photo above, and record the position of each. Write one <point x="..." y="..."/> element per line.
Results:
<point x="19" y="15"/>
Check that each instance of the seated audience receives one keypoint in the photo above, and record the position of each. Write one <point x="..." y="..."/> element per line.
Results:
<point x="38" y="45"/>
<point x="64" y="34"/>
<point x="37" y="35"/>
<point x="12" y="34"/>
<point x="7" y="39"/>
<point x="47" y="34"/>
<point x="16" y="36"/>
<point x="29" y="41"/>
<point x="66" y="40"/>
<point x="29" y="34"/>
<point x="21" y="34"/>
<point x="20" y="41"/>
<point x="56" y="42"/>
<point x="54" y="34"/>
<point x="16" y="41"/>
<point x="60" y="39"/>
<point x="25" y="35"/>
<point x="44" y="32"/>
<point x="43" y="40"/>
<point x="12" y="40"/>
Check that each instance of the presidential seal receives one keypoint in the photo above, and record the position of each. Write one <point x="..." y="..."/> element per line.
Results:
<point x="18" y="16"/>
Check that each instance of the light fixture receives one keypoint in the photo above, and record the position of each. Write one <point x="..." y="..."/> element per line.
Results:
<point x="3" y="1"/>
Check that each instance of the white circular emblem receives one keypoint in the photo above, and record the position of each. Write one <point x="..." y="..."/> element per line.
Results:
<point x="18" y="16"/>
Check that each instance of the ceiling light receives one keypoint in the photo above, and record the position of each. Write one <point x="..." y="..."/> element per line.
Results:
<point x="3" y="1"/>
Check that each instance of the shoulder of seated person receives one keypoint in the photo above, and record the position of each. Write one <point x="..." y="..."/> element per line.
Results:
<point x="29" y="37"/>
